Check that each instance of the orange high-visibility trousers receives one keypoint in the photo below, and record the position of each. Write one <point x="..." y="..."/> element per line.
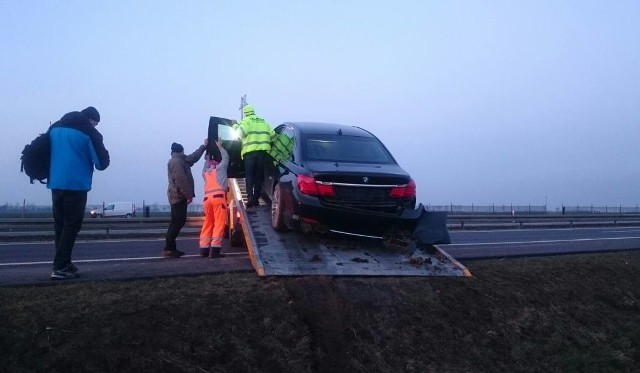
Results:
<point x="215" y="221"/>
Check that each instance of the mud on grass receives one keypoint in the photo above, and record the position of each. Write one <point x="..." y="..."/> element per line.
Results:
<point x="552" y="314"/>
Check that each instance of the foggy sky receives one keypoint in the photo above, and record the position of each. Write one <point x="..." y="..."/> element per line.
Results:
<point x="497" y="102"/>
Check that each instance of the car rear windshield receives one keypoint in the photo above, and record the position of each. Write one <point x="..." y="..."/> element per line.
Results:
<point x="345" y="149"/>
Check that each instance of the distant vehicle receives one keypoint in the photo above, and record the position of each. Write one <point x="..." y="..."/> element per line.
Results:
<point x="338" y="178"/>
<point x="115" y="210"/>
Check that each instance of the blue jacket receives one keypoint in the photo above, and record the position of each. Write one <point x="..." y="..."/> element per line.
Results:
<point x="76" y="147"/>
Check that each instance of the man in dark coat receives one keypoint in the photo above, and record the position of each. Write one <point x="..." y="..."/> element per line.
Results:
<point x="180" y="193"/>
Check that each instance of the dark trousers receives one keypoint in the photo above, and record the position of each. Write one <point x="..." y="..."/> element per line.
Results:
<point x="254" y="173"/>
<point x="68" y="214"/>
<point x="178" y="219"/>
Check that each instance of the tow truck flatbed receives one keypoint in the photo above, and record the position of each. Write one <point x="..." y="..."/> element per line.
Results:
<point x="296" y="254"/>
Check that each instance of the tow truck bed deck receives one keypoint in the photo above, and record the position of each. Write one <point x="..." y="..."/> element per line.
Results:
<point x="295" y="254"/>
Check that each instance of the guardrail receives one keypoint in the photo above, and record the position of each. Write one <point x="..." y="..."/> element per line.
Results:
<point x="464" y="221"/>
<point x="42" y="228"/>
<point x="102" y="223"/>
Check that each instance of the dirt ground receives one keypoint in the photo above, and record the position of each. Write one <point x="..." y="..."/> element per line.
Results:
<point x="549" y="314"/>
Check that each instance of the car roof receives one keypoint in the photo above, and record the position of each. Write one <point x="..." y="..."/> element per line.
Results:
<point x="320" y="128"/>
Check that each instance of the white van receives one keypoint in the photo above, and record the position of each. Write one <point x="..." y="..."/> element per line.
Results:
<point x="116" y="210"/>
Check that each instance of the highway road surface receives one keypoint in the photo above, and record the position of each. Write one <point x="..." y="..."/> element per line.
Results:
<point x="29" y="263"/>
<point x="467" y="245"/>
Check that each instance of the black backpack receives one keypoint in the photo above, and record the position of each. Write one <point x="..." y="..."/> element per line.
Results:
<point x="36" y="158"/>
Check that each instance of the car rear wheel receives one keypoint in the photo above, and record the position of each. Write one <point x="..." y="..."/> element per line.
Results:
<point x="277" y="220"/>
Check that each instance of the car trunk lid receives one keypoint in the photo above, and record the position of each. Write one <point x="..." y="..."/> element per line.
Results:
<point x="364" y="187"/>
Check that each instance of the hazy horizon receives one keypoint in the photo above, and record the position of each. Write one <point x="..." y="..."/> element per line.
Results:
<point x="534" y="102"/>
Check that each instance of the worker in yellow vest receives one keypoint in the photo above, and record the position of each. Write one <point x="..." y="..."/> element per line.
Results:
<point x="281" y="148"/>
<point x="215" y="204"/>
<point x="257" y="136"/>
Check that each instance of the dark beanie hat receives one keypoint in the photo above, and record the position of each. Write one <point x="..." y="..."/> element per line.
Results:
<point x="91" y="113"/>
<point x="176" y="148"/>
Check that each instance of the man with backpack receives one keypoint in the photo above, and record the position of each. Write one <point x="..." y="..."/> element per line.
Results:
<point x="76" y="148"/>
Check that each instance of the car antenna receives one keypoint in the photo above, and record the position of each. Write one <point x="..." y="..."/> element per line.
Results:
<point x="340" y="131"/>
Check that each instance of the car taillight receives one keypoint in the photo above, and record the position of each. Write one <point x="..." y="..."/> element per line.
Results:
<point x="404" y="191"/>
<point x="308" y="185"/>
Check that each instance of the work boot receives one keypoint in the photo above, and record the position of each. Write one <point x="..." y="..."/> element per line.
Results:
<point x="172" y="253"/>
<point x="265" y="198"/>
<point x="204" y="252"/>
<point x="215" y="253"/>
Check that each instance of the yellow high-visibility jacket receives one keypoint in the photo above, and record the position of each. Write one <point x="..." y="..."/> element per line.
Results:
<point x="256" y="134"/>
<point x="281" y="148"/>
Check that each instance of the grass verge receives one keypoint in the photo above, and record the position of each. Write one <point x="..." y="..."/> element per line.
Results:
<point x="549" y="314"/>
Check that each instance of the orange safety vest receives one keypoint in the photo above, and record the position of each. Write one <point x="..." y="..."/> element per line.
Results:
<point x="211" y="187"/>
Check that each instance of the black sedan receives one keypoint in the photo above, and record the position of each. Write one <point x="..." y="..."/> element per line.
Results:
<point x="332" y="177"/>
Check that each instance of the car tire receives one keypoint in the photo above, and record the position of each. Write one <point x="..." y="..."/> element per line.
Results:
<point x="128" y="216"/>
<point x="277" y="213"/>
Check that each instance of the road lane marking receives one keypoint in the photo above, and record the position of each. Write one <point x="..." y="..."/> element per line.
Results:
<point x="541" y="241"/>
<point x="82" y="242"/>
<point x="471" y="230"/>
<point x="116" y="259"/>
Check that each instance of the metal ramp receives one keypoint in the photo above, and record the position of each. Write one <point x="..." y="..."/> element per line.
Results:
<point x="296" y="254"/>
